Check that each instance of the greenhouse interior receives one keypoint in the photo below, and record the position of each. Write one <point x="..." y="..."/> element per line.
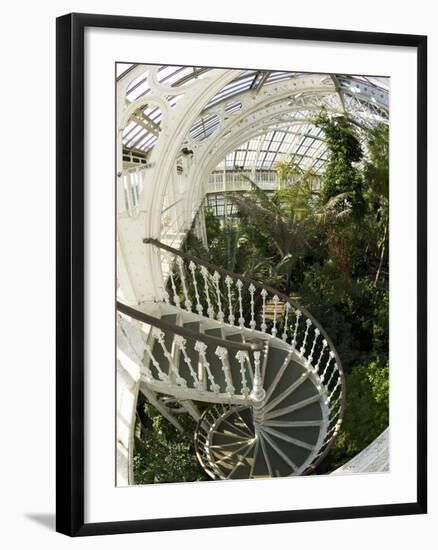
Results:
<point x="252" y="274"/>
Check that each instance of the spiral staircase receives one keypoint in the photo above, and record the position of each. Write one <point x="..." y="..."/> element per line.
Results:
<point x="257" y="371"/>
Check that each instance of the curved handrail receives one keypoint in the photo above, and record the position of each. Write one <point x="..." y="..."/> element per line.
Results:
<point x="285" y="298"/>
<point x="181" y="331"/>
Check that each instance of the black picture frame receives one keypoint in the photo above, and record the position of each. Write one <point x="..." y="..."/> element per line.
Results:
<point x="70" y="273"/>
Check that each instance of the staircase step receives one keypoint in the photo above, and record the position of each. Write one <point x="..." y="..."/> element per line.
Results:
<point x="308" y="434"/>
<point x="278" y="466"/>
<point x="260" y="468"/>
<point x="222" y="438"/>
<point x="295" y="453"/>
<point x="291" y="374"/>
<point x="309" y="412"/>
<point x="246" y="415"/>
<point x="298" y="393"/>
<point x="275" y="361"/>
<point x="229" y="460"/>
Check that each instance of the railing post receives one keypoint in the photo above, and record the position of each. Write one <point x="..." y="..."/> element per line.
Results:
<point x="159" y="336"/>
<point x="264" y="326"/>
<point x="199" y="308"/>
<point x="241" y="357"/>
<point x="275" y="300"/>
<point x="252" y="322"/>
<point x="220" y="314"/>
<point x="222" y="353"/>
<point x="180" y="342"/>
<point x="205" y="275"/>
<point x="297" y="319"/>
<point x="187" y="302"/>
<point x="229" y="282"/>
<point x="287" y="307"/>
<point x="201" y="348"/>
<point x="239" y="286"/>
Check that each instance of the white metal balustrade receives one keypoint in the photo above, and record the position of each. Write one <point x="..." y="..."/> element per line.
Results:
<point x="233" y="181"/>
<point x="238" y="343"/>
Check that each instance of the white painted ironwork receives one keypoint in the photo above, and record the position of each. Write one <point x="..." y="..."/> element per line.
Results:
<point x="303" y="347"/>
<point x="327" y="365"/>
<point x="199" y="308"/>
<point x="201" y="348"/>
<point x="187" y="302"/>
<point x="175" y="293"/>
<point x="264" y="326"/>
<point x="312" y="350"/>
<point x="205" y="275"/>
<point x="229" y="282"/>
<point x="239" y="286"/>
<point x="220" y="313"/>
<point x="275" y="301"/>
<point x="287" y="308"/>
<point x="181" y="342"/>
<point x="222" y="353"/>
<point x="159" y="336"/>
<point x="297" y="320"/>
<point x="251" y="290"/>
<point x="242" y="358"/>
<point x="324" y="346"/>
<point x="161" y="374"/>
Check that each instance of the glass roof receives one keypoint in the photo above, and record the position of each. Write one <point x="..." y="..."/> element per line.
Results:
<point x="289" y="136"/>
<point x="304" y="143"/>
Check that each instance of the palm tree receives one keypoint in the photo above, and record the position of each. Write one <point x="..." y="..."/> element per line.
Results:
<point x="287" y="219"/>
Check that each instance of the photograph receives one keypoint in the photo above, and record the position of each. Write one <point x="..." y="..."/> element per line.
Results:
<point x="252" y="273"/>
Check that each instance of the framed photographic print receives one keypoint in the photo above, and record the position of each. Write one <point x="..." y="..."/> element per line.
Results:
<point x="241" y="274"/>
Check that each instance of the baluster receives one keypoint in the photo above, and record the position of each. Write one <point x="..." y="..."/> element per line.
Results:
<point x="275" y="299"/>
<point x="175" y="294"/>
<point x="161" y="374"/>
<point x="335" y="369"/>
<point x="205" y="275"/>
<point x="287" y="307"/>
<point x="199" y="308"/>
<point x="264" y="326"/>
<point x="336" y="405"/>
<point x="165" y="296"/>
<point x="159" y="336"/>
<point x="324" y="345"/>
<point x="148" y="373"/>
<point x="201" y="348"/>
<point x="297" y="320"/>
<point x="229" y="282"/>
<point x="331" y="356"/>
<point x="257" y="393"/>
<point x="315" y="338"/>
<point x="251" y="289"/>
<point x="338" y="383"/>
<point x="222" y="353"/>
<point x="180" y="342"/>
<point x="241" y="357"/>
<point x="303" y="347"/>
<point x="187" y="302"/>
<point x="239" y="286"/>
<point x="220" y="314"/>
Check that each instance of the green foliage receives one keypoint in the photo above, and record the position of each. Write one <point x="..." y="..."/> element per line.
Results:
<point x="366" y="415"/>
<point x="162" y="453"/>
<point x="342" y="176"/>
